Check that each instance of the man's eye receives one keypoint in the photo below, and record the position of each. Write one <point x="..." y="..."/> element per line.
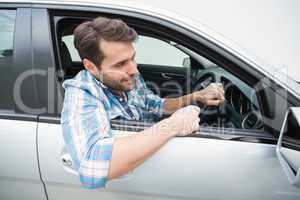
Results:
<point x="119" y="64"/>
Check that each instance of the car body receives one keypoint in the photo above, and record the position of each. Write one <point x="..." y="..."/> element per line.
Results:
<point x="230" y="159"/>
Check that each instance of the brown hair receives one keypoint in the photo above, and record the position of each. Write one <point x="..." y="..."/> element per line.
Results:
<point x="88" y="35"/>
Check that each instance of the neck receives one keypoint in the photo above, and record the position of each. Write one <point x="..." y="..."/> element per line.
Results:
<point x="119" y="93"/>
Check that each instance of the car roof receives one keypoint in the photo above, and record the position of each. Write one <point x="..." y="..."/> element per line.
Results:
<point x="184" y="21"/>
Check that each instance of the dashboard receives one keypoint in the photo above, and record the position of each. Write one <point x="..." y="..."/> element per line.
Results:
<point x="240" y="108"/>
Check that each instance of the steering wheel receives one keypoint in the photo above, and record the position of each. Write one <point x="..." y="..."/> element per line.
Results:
<point x="209" y="114"/>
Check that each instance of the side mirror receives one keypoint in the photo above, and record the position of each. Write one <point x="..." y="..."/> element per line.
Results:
<point x="288" y="146"/>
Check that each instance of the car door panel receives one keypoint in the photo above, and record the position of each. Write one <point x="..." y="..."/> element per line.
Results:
<point x="185" y="168"/>
<point x="19" y="171"/>
<point x="165" y="80"/>
<point x="197" y="168"/>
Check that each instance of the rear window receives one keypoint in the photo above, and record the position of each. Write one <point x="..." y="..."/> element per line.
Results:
<point x="7" y="26"/>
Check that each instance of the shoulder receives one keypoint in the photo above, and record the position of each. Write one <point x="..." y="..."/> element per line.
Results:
<point x="84" y="84"/>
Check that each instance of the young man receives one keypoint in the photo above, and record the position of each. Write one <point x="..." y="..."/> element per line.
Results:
<point x="111" y="87"/>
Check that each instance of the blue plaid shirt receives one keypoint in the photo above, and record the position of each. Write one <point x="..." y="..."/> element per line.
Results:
<point x="87" y="110"/>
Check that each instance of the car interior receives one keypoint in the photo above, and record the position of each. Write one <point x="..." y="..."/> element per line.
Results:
<point x="168" y="78"/>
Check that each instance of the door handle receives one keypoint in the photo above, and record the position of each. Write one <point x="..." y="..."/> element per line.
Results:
<point x="67" y="162"/>
<point x="68" y="165"/>
<point x="171" y="75"/>
<point x="166" y="75"/>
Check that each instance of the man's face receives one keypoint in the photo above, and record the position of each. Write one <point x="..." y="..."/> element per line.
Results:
<point x="118" y="68"/>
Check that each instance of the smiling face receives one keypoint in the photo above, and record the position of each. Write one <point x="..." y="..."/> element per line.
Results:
<point x="106" y="49"/>
<point x="118" y="68"/>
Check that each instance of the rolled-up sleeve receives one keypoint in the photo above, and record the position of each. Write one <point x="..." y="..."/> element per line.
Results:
<point x="87" y="135"/>
<point x="153" y="103"/>
<point x="94" y="166"/>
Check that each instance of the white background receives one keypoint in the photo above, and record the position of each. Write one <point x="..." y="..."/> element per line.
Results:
<point x="270" y="29"/>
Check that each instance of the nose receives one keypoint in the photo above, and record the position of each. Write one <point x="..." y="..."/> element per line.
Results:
<point x="132" y="68"/>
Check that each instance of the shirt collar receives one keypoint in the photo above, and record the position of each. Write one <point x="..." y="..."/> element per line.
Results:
<point x="103" y="86"/>
<point x="99" y="83"/>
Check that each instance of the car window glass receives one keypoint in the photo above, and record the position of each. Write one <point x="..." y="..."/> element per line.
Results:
<point x="68" y="40"/>
<point x="149" y="51"/>
<point x="153" y="51"/>
<point x="7" y="22"/>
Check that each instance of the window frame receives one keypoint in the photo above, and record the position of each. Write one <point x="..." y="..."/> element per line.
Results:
<point x="10" y="109"/>
<point x="211" y="50"/>
<point x="21" y="60"/>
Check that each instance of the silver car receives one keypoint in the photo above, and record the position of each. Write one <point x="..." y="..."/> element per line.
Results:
<point x="248" y="148"/>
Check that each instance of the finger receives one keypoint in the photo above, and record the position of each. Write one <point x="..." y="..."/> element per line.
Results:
<point x="218" y="86"/>
<point x="221" y="101"/>
<point x="196" y="125"/>
<point x="213" y="102"/>
<point x="218" y="95"/>
<point x="221" y="96"/>
<point x="196" y="121"/>
<point x="196" y="108"/>
<point x="195" y="113"/>
<point x="221" y="89"/>
<point x="193" y="109"/>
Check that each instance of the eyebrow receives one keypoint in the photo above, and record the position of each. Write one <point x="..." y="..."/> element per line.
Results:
<point x="124" y="60"/>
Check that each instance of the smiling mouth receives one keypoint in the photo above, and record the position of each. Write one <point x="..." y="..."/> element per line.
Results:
<point x="131" y="80"/>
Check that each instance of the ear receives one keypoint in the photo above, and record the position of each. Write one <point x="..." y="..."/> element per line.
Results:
<point x="90" y="66"/>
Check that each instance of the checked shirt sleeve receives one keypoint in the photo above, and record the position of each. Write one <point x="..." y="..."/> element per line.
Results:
<point x="87" y="135"/>
<point x="153" y="103"/>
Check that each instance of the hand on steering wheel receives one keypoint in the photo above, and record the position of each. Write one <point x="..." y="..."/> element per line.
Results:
<point x="213" y="113"/>
<point x="212" y="99"/>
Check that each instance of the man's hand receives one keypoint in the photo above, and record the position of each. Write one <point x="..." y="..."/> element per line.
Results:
<point x="212" y="95"/>
<point x="184" y="121"/>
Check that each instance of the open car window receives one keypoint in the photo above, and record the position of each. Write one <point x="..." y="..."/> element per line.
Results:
<point x="69" y="41"/>
<point x="153" y="51"/>
<point x="149" y="51"/>
<point x="172" y="69"/>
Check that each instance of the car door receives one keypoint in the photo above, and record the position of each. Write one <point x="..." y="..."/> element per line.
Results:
<point x="185" y="168"/>
<point x="214" y="163"/>
<point x="19" y="168"/>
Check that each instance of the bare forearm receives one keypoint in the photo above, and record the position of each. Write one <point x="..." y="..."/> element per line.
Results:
<point x="212" y="95"/>
<point x="173" y="104"/>
<point x="130" y="151"/>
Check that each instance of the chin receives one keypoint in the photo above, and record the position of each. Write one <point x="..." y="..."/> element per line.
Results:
<point x="127" y="88"/>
